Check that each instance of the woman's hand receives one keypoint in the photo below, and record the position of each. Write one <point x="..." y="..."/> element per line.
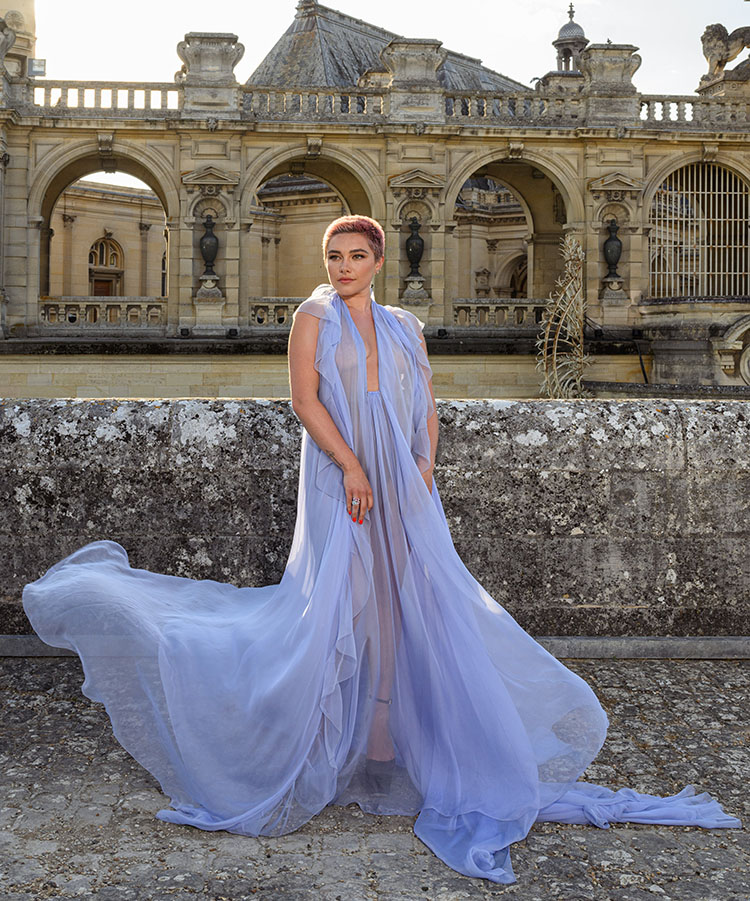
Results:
<point x="357" y="485"/>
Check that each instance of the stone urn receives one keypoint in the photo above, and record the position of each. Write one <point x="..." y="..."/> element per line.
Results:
<point x="612" y="249"/>
<point x="209" y="58"/>
<point x="414" y="248"/>
<point x="209" y="245"/>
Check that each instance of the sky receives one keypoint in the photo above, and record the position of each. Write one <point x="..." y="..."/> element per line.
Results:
<point x="513" y="37"/>
<point x="510" y="36"/>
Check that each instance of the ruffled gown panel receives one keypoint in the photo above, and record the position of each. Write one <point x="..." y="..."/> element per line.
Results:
<point x="255" y="707"/>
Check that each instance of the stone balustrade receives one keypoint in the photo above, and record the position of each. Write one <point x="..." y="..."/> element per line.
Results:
<point x="272" y="312"/>
<point x="99" y="313"/>
<point x="506" y="109"/>
<point x="512" y="313"/>
<point x="487" y="109"/>
<point x="690" y="110"/>
<point x="271" y="104"/>
<point x="107" y="98"/>
<point x="600" y="518"/>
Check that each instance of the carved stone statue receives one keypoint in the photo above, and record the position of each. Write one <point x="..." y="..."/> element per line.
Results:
<point x="7" y="39"/>
<point x="720" y="47"/>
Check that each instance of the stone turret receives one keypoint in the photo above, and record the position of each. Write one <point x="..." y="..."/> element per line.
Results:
<point x="570" y="43"/>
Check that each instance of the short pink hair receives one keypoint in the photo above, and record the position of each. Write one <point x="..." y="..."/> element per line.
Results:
<point x="357" y="225"/>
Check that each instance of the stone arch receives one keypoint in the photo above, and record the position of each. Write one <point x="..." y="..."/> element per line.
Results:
<point x="701" y="195"/>
<point x="352" y="178"/>
<point x="540" y="188"/>
<point x="509" y="266"/>
<point x="503" y="280"/>
<point x="561" y="174"/>
<point x="63" y="166"/>
<point x="352" y="174"/>
<point x="737" y="329"/>
<point x="729" y="161"/>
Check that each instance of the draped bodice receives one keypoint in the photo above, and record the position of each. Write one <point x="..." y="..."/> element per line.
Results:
<point x="403" y="374"/>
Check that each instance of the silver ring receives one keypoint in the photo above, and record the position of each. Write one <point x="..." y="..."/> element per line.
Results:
<point x="356" y="500"/>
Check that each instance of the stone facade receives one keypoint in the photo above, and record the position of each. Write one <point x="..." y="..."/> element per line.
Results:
<point x="593" y="518"/>
<point x="133" y="219"/>
<point x="399" y="138"/>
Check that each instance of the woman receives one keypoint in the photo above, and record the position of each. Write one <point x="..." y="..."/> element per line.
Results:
<point x="378" y="670"/>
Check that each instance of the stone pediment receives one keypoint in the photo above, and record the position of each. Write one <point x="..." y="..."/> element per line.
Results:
<point x="616" y="183"/>
<point x="210" y="177"/>
<point x="416" y="183"/>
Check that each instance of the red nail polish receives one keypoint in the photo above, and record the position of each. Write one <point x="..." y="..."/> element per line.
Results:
<point x="361" y="521"/>
<point x="354" y="518"/>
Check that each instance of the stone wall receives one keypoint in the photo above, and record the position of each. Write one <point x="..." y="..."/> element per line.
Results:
<point x="599" y="518"/>
<point x="264" y="375"/>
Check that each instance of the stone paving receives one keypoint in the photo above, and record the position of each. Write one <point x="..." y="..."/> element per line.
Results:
<point x="77" y="813"/>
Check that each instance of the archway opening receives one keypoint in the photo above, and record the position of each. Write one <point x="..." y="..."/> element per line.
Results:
<point x="103" y="253"/>
<point x="290" y="211"/>
<point x="492" y="230"/>
<point x="509" y="224"/>
<point x="699" y="243"/>
<point x="293" y="211"/>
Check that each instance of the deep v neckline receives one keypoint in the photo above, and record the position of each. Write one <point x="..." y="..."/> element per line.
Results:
<point x="364" y="346"/>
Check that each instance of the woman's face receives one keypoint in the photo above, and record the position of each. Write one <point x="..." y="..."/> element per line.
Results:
<point x="351" y="264"/>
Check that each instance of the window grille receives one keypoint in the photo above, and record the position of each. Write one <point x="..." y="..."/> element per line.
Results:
<point x="698" y="241"/>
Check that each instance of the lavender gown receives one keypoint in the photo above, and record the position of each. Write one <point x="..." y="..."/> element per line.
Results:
<point x="253" y="706"/>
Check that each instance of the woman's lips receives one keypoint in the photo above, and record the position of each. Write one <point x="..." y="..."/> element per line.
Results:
<point x="346" y="280"/>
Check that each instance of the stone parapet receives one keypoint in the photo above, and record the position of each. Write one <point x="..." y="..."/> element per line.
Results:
<point x="373" y="107"/>
<point x="596" y="518"/>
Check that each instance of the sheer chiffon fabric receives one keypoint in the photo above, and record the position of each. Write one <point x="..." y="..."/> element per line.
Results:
<point x="253" y="707"/>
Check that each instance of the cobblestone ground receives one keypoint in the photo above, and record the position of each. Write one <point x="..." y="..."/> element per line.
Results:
<point x="77" y="813"/>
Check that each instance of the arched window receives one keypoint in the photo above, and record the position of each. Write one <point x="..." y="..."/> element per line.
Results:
<point x="106" y="267"/>
<point x="699" y="244"/>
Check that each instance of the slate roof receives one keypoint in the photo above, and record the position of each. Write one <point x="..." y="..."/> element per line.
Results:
<point x="326" y="48"/>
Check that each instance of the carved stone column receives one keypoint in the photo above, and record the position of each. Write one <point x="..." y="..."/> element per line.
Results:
<point x="144" y="228"/>
<point x="67" y="279"/>
<point x="47" y="234"/>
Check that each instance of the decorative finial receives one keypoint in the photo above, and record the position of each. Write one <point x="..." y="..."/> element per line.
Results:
<point x="571" y="12"/>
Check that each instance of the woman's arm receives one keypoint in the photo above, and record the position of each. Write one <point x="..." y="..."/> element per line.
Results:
<point x="303" y="383"/>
